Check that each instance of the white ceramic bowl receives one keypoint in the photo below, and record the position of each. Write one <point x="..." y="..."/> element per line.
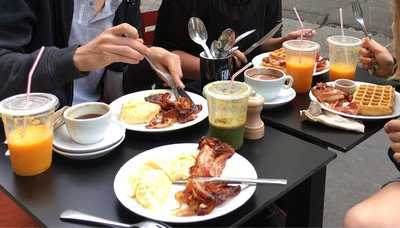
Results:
<point x="345" y="85"/>
<point x="90" y="130"/>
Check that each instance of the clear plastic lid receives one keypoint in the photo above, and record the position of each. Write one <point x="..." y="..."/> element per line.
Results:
<point x="224" y="90"/>
<point x="38" y="103"/>
<point x="301" y="45"/>
<point x="344" y="41"/>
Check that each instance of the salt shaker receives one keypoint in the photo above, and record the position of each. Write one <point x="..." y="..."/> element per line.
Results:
<point x="254" y="128"/>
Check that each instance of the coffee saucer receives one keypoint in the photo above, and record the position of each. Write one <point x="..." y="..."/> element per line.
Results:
<point x="284" y="97"/>
<point x="89" y="155"/>
<point x="63" y="142"/>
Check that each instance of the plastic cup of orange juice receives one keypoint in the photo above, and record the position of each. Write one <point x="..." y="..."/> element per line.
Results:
<point x="300" y="62"/>
<point x="343" y="57"/>
<point x="29" y="131"/>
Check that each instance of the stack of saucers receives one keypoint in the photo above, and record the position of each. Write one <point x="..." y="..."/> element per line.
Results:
<point x="65" y="146"/>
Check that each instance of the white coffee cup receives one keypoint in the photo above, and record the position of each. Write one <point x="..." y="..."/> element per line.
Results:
<point x="268" y="82"/>
<point x="88" y="122"/>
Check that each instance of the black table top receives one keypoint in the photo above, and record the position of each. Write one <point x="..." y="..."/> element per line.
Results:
<point x="287" y="119"/>
<point x="88" y="185"/>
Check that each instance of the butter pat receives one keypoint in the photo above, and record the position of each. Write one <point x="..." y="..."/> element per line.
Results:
<point x="138" y="112"/>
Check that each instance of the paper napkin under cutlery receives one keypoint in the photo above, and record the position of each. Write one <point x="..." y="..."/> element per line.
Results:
<point x="315" y="114"/>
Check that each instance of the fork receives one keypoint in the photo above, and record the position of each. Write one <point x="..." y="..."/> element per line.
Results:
<point x="177" y="91"/>
<point x="359" y="16"/>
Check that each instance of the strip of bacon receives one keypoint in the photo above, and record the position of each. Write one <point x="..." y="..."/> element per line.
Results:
<point x="326" y="93"/>
<point x="181" y="111"/>
<point x="201" y="198"/>
<point x="212" y="158"/>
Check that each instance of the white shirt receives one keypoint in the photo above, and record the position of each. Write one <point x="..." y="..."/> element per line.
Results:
<point x="87" y="25"/>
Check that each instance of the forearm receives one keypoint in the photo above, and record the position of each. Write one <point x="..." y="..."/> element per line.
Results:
<point x="272" y="44"/>
<point x="55" y="69"/>
<point x="190" y="65"/>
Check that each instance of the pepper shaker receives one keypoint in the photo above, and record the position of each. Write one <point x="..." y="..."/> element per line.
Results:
<point x="254" y="128"/>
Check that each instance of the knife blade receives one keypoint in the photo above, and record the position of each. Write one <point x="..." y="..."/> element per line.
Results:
<point x="267" y="36"/>
<point x="233" y="180"/>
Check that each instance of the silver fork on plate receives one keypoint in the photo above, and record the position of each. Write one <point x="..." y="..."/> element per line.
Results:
<point x="359" y="16"/>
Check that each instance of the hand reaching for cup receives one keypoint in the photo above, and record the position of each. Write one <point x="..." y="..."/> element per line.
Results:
<point x="372" y="53"/>
<point x="308" y="34"/>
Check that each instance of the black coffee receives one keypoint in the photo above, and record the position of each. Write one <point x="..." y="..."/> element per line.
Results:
<point x="88" y="116"/>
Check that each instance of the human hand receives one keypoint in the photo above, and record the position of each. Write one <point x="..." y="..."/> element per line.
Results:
<point x="167" y="62"/>
<point x="372" y="53"/>
<point x="392" y="128"/>
<point x="117" y="44"/>
<point x="308" y="34"/>
<point x="240" y="58"/>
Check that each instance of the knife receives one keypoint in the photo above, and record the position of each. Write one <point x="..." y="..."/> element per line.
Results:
<point x="267" y="36"/>
<point x="233" y="180"/>
<point x="244" y="35"/>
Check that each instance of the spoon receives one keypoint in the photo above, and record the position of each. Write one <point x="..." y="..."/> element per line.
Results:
<point x="215" y="50"/>
<point x="198" y="33"/>
<point x="71" y="215"/>
<point x="227" y="40"/>
<point x="244" y="35"/>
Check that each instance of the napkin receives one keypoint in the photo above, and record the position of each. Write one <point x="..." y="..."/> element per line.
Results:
<point x="314" y="113"/>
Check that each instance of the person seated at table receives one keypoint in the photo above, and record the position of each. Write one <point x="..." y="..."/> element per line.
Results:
<point x="240" y="15"/>
<point x="381" y="209"/>
<point x="86" y="43"/>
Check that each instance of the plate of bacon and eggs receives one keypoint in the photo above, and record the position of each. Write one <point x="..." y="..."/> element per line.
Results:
<point x="194" y="201"/>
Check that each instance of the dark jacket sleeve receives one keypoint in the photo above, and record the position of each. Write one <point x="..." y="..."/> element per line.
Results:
<point x="56" y="67"/>
<point x="273" y="16"/>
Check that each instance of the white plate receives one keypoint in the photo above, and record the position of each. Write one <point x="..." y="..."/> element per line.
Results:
<point x="396" y="111"/>
<point x="62" y="140"/>
<point x="90" y="155"/>
<point x="121" y="185"/>
<point x="284" y="97"/>
<point x="257" y="62"/>
<point x="117" y="105"/>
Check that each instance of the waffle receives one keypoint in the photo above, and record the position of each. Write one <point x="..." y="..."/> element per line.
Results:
<point x="374" y="100"/>
<point x="275" y="59"/>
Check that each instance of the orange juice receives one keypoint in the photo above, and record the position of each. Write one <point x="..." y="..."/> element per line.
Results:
<point x="30" y="149"/>
<point x="301" y="69"/>
<point x="342" y="71"/>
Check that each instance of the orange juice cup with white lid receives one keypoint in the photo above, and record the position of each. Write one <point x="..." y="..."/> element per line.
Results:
<point x="343" y="57"/>
<point x="300" y="62"/>
<point x="29" y="131"/>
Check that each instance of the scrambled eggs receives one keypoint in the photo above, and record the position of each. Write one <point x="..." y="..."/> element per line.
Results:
<point x="151" y="183"/>
<point x="138" y="112"/>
